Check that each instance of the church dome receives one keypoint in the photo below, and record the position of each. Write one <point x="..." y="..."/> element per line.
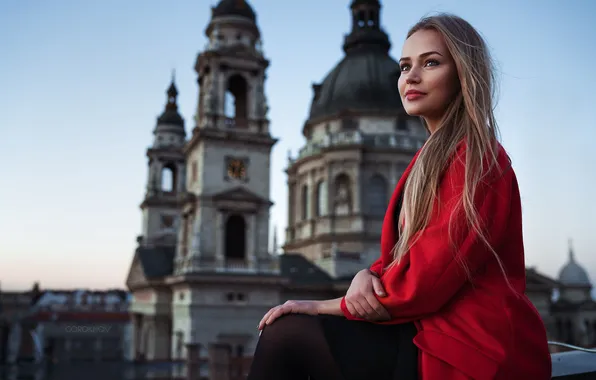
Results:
<point x="365" y="80"/>
<point x="362" y="81"/>
<point x="239" y="8"/>
<point x="573" y="274"/>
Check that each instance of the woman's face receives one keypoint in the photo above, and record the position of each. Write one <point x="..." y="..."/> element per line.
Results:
<point x="428" y="80"/>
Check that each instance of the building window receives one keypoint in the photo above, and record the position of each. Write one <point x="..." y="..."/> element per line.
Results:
<point x="376" y="195"/>
<point x="321" y="198"/>
<point x="401" y="124"/>
<point x="349" y="124"/>
<point x="305" y="214"/>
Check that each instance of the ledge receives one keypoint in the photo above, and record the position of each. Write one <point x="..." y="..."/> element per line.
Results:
<point x="574" y="365"/>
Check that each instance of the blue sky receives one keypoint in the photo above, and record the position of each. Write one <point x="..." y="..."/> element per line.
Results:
<point x="83" y="82"/>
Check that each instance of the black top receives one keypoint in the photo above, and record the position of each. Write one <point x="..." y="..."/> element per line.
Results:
<point x="365" y="350"/>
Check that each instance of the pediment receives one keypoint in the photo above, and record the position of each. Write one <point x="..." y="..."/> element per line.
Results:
<point x="136" y="275"/>
<point x="241" y="194"/>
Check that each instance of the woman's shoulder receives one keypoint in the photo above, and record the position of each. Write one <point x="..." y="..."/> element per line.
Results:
<point x="496" y="162"/>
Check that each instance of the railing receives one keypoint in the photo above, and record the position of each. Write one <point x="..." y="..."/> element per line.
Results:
<point x="196" y="264"/>
<point x="346" y="138"/>
<point x="576" y="348"/>
<point x="237" y="122"/>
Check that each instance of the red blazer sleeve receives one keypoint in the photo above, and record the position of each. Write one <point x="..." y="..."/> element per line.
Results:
<point x="377" y="266"/>
<point x="431" y="272"/>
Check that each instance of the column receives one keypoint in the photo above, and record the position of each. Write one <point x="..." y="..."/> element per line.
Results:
<point x="158" y="171"/>
<point x="252" y="241"/>
<point x="192" y="361"/>
<point x="138" y="336"/>
<point x="181" y="169"/>
<point x="219" y="240"/>
<point x="356" y="197"/>
<point x="221" y="94"/>
<point x="219" y="361"/>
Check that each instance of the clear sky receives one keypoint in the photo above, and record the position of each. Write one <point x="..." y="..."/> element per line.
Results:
<point x="82" y="83"/>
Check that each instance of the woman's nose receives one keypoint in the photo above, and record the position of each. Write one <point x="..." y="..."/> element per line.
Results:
<point x="412" y="77"/>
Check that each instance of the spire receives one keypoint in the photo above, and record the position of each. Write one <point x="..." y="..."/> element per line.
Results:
<point x="170" y="114"/>
<point x="366" y="31"/>
<point x="571" y="254"/>
<point x="172" y="95"/>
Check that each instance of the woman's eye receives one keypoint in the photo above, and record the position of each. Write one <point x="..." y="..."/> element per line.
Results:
<point x="405" y="67"/>
<point x="431" y="62"/>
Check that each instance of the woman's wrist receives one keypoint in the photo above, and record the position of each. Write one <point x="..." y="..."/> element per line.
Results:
<point x="329" y="307"/>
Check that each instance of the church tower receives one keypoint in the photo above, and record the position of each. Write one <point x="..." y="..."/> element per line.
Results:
<point x="359" y="141"/>
<point x="165" y="181"/>
<point x="224" y="277"/>
<point x="225" y="222"/>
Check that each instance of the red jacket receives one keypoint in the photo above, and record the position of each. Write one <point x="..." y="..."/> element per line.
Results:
<point x="477" y="329"/>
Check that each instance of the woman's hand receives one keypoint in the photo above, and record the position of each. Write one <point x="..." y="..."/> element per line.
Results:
<point x="290" y="307"/>
<point x="360" y="298"/>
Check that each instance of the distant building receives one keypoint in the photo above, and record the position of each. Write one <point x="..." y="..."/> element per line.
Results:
<point x="68" y="326"/>
<point x="203" y="272"/>
<point x="573" y="311"/>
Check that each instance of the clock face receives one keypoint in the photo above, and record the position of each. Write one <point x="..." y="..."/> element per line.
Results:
<point x="236" y="169"/>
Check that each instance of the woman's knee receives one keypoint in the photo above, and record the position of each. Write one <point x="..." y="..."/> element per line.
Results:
<point x="288" y="332"/>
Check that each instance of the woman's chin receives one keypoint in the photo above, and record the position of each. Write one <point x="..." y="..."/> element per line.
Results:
<point x="413" y="110"/>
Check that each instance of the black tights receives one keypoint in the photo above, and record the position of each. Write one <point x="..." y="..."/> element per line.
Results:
<point x="301" y="347"/>
<point x="293" y="348"/>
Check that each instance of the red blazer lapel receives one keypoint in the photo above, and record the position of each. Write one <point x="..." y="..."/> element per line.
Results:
<point x="388" y="233"/>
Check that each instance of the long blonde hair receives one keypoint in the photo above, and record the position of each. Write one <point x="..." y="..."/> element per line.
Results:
<point x="469" y="116"/>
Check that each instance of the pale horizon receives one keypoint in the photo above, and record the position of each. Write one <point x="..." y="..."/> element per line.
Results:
<point x="83" y="84"/>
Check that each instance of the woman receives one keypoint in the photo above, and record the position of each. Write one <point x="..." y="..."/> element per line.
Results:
<point x="446" y="298"/>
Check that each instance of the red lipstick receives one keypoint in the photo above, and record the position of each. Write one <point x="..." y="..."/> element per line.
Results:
<point x="414" y="94"/>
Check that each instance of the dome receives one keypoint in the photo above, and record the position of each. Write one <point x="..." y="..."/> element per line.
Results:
<point x="573" y="274"/>
<point x="238" y="8"/>
<point x="363" y="81"/>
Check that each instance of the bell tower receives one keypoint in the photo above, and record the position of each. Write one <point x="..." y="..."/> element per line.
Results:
<point x="165" y="181"/>
<point x="225" y="220"/>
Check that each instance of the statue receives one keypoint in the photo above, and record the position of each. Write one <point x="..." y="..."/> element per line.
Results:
<point x="342" y="199"/>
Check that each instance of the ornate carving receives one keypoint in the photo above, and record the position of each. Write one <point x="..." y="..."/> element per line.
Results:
<point x="343" y="201"/>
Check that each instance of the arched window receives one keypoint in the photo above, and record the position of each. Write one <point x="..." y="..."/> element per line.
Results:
<point x="168" y="178"/>
<point x="236" y="101"/>
<point x="304" y="203"/>
<point x="376" y="195"/>
<point x="235" y="238"/>
<point x="321" y="198"/>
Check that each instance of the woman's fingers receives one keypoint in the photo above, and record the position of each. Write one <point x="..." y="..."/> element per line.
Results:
<point x="378" y="287"/>
<point x="277" y="312"/>
<point x="377" y="310"/>
<point x="359" y="311"/>
<point x="265" y="317"/>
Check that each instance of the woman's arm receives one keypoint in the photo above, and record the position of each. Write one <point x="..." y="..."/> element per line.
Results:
<point x="431" y="272"/>
<point x="330" y="307"/>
